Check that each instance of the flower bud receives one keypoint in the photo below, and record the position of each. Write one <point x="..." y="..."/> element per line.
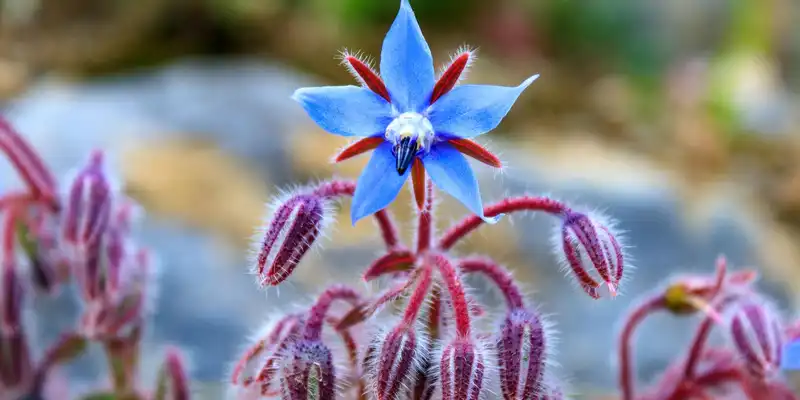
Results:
<point x="308" y="372"/>
<point x="15" y="363"/>
<point x="399" y="358"/>
<point x="256" y="372"/>
<point x="88" y="205"/>
<point x="11" y="298"/>
<point x="295" y="226"/>
<point x="462" y="369"/>
<point x="173" y="382"/>
<point x="757" y="335"/>
<point x="591" y="250"/>
<point x="521" y="355"/>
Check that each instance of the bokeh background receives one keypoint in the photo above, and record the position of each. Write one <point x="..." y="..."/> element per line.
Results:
<point x="678" y="117"/>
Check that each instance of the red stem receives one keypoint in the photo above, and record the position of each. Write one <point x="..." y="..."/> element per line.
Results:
<point x="417" y="299"/>
<point x="386" y="224"/>
<point x="425" y="227"/>
<point x="626" y="373"/>
<point x="524" y="203"/>
<point x="319" y="311"/>
<point x="457" y="294"/>
<point x="27" y="163"/>
<point x="699" y="341"/>
<point x="499" y="275"/>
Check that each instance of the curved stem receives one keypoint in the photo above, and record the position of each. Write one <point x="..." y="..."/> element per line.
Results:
<point x="524" y="203"/>
<point x="386" y="224"/>
<point x="699" y="341"/>
<point x="417" y="299"/>
<point x="626" y="374"/>
<point x="425" y="225"/>
<point x="458" y="296"/>
<point x="499" y="275"/>
<point x="27" y="163"/>
<point x="319" y="311"/>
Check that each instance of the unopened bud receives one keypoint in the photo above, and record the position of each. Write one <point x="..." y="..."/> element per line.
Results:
<point x="592" y="252"/>
<point x="399" y="358"/>
<point x="462" y="369"/>
<point x="757" y="335"/>
<point x="88" y="206"/>
<point x="308" y="372"/>
<point x="11" y="298"/>
<point x="521" y="355"/>
<point x="295" y="226"/>
<point x="173" y="382"/>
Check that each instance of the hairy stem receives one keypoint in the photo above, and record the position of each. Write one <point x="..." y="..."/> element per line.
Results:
<point x="425" y="225"/>
<point x="701" y="335"/>
<point x="500" y="276"/>
<point x="472" y="222"/>
<point x="626" y="373"/>
<point x="387" y="226"/>
<point x="455" y="287"/>
<point x="417" y="299"/>
<point x="318" y="312"/>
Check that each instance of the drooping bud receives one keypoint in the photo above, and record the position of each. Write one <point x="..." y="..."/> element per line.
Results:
<point x="173" y="383"/>
<point x="462" y="369"/>
<point x="88" y="206"/>
<point x="295" y="225"/>
<point x="308" y="372"/>
<point x="255" y="374"/>
<point x="756" y="331"/>
<point x="521" y="355"/>
<point x="592" y="252"/>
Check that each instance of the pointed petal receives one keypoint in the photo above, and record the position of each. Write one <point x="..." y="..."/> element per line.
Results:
<point x="345" y="110"/>
<point x="378" y="184"/>
<point x="358" y="147"/>
<point x="406" y="62"/>
<point x="451" y="172"/>
<point x="471" y="110"/>
<point x="468" y="147"/>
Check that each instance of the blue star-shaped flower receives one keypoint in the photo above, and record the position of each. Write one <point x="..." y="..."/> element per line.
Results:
<point x="414" y="122"/>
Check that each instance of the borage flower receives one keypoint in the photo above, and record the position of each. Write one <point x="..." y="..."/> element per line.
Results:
<point x="414" y="122"/>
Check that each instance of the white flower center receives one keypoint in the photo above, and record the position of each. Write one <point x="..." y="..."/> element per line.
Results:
<point x="413" y="125"/>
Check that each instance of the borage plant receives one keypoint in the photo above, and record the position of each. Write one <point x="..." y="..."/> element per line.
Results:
<point x="81" y="234"/>
<point x="436" y="344"/>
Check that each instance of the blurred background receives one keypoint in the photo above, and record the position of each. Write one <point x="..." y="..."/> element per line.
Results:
<point x="677" y="117"/>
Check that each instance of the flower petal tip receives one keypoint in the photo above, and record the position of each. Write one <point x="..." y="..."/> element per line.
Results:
<point x="493" y="220"/>
<point x="530" y="80"/>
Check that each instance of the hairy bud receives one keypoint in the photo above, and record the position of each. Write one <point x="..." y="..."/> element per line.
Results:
<point x="521" y="355"/>
<point x="16" y="369"/>
<point x="308" y="372"/>
<point x="400" y="355"/>
<point x="591" y="251"/>
<point x="757" y="336"/>
<point x="88" y="206"/>
<point x="295" y="226"/>
<point x="11" y="297"/>
<point x="173" y="383"/>
<point x="462" y="369"/>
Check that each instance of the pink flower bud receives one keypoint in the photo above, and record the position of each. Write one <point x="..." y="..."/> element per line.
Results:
<point x="173" y="381"/>
<point x="295" y="226"/>
<point x="255" y="374"/>
<point x="399" y="358"/>
<point x="308" y="372"/>
<point x="462" y="369"/>
<point x="591" y="250"/>
<point x="88" y="206"/>
<point x="757" y="335"/>
<point x="521" y="355"/>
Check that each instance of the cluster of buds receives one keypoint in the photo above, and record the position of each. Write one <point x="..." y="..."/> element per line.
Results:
<point x="436" y="346"/>
<point x="746" y="367"/>
<point x="80" y="232"/>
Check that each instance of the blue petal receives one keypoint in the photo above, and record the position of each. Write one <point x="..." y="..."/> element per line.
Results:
<point x="378" y="184"/>
<point x="451" y="172"/>
<point x="471" y="110"/>
<point x="345" y="110"/>
<point x="406" y="62"/>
